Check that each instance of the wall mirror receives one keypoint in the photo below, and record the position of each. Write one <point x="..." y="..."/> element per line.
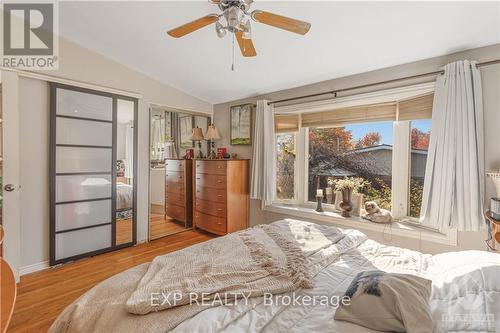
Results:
<point x="170" y="139"/>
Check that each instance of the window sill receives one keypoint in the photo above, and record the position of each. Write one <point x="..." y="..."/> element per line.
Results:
<point x="397" y="228"/>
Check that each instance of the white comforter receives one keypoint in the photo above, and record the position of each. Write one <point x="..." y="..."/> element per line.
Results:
<point x="124" y="196"/>
<point x="465" y="298"/>
<point x="466" y="291"/>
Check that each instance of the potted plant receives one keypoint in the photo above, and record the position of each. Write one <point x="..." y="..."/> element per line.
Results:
<point x="347" y="186"/>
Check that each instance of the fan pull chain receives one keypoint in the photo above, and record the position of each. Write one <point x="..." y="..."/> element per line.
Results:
<point x="232" y="65"/>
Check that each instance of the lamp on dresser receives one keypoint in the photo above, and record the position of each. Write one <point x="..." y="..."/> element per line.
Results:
<point x="197" y="135"/>
<point x="212" y="135"/>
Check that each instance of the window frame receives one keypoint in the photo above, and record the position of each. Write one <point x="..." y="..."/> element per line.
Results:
<point x="401" y="153"/>
<point x="400" y="177"/>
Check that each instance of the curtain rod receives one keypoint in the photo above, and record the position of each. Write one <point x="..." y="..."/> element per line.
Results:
<point x="334" y="92"/>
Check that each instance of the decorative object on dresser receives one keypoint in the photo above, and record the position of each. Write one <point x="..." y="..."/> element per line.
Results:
<point x="221" y="194"/>
<point x="197" y="135"/>
<point x="212" y="135"/>
<point x="179" y="190"/>
<point x="241" y="124"/>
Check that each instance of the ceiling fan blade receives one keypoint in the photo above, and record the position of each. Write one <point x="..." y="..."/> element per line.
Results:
<point x="193" y="26"/>
<point x="282" y="22"/>
<point x="246" y="45"/>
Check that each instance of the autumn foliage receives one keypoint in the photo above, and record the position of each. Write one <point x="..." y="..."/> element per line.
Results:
<point x="419" y="139"/>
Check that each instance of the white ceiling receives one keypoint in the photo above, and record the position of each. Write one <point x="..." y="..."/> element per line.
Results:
<point x="345" y="38"/>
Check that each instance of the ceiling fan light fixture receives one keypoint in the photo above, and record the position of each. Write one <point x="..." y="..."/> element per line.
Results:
<point x="234" y="16"/>
<point x="221" y="32"/>
<point x="247" y="30"/>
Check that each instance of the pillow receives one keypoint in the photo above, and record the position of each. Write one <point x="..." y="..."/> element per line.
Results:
<point x="388" y="302"/>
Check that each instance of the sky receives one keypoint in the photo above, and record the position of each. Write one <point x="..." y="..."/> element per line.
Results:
<point x="385" y="129"/>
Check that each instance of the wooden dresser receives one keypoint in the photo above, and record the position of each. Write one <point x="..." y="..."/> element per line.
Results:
<point x="179" y="190"/>
<point x="221" y="195"/>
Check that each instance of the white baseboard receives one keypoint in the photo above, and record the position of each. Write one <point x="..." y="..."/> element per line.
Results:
<point x="33" y="268"/>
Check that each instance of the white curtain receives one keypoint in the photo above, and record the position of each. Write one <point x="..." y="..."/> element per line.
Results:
<point x="454" y="178"/>
<point x="129" y="152"/>
<point x="263" y="185"/>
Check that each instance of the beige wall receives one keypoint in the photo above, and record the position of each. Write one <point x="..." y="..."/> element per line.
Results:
<point x="491" y="98"/>
<point x="80" y="64"/>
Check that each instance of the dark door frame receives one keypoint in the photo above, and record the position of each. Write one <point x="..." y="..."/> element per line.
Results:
<point x="52" y="172"/>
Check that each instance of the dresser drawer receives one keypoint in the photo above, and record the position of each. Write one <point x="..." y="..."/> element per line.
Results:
<point x="174" y="165"/>
<point x="210" y="194"/>
<point x="174" y="177"/>
<point x="176" y="212"/>
<point x="175" y="199"/>
<point x="211" y="167"/>
<point x="216" y="225"/>
<point x="174" y="187"/>
<point x="211" y="181"/>
<point x="211" y="208"/>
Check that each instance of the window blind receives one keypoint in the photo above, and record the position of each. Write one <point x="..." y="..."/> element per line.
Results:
<point x="286" y="123"/>
<point x="351" y="115"/>
<point x="419" y="107"/>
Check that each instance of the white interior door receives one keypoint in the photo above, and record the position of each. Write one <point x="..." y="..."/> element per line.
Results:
<point x="11" y="220"/>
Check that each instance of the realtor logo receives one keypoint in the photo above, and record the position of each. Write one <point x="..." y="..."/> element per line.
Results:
<point x="29" y="36"/>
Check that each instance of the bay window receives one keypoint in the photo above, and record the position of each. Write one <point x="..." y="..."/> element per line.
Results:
<point x="384" y="143"/>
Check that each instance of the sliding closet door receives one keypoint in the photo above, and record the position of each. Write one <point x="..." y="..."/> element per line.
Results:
<point x="83" y="173"/>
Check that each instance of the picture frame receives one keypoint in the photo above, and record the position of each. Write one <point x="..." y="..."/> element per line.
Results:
<point x="185" y="132"/>
<point x="241" y="124"/>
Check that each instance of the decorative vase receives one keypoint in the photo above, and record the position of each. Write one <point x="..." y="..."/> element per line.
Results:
<point x="346" y="205"/>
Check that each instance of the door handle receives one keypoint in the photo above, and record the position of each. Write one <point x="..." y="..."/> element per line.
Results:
<point x="9" y="187"/>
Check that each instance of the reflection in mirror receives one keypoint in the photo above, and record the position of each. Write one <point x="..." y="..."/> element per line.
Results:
<point x="170" y="138"/>
<point x="124" y="171"/>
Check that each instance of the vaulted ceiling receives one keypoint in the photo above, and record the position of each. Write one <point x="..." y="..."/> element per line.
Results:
<point x="345" y="38"/>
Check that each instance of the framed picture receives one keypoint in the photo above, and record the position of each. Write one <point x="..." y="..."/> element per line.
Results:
<point x="185" y="131"/>
<point x="241" y="124"/>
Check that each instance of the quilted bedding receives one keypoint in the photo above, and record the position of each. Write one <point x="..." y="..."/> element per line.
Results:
<point x="465" y="297"/>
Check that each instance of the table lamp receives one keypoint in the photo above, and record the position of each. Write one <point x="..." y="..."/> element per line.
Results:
<point x="197" y="135"/>
<point x="212" y="135"/>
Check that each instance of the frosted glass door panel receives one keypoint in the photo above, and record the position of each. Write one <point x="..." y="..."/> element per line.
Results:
<point x="83" y="132"/>
<point x="79" y="104"/>
<point x="73" y="159"/>
<point x="82" y="214"/>
<point x="77" y="242"/>
<point x="71" y="188"/>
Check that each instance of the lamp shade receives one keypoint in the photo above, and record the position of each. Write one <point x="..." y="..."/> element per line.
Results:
<point x="197" y="134"/>
<point x="212" y="133"/>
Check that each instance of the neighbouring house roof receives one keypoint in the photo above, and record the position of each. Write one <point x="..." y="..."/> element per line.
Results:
<point x="377" y="160"/>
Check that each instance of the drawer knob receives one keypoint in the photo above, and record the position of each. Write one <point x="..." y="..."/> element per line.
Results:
<point x="219" y="195"/>
<point x="219" y="181"/>
<point x="198" y="178"/>
<point x="219" y="167"/>
<point x="219" y="223"/>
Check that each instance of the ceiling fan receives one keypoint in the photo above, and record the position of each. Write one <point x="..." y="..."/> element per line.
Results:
<point x="237" y="21"/>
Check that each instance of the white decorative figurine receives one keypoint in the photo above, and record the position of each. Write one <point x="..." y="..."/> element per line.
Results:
<point x="376" y="214"/>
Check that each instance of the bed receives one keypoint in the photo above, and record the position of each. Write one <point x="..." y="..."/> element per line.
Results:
<point x="465" y="293"/>
<point x="124" y="201"/>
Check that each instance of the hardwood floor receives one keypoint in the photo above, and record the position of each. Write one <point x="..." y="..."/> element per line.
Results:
<point x="43" y="295"/>
<point x="160" y="227"/>
<point x="123" y="231"/>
